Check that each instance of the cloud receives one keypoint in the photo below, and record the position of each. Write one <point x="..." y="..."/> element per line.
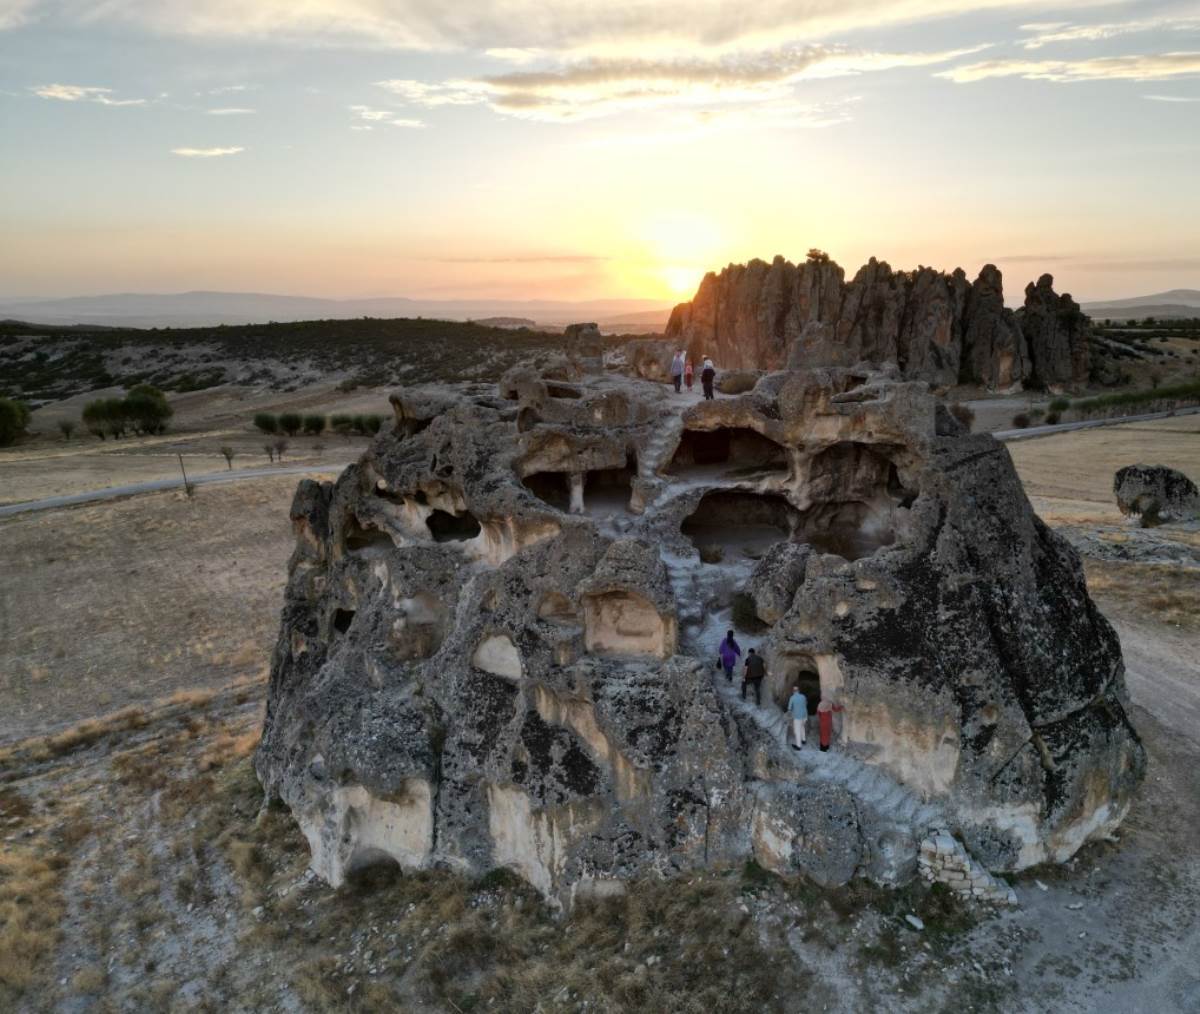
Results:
<point x="229" y="111"/>
<point x="1165" y="264"/>
<point x="574" y="29"/>
<point x="369" y="115"/>
<point x="227" y="89"/>
<point x="83" y="93"/>
<point x="707" y="87"/>
<point x="525" y="259"/>
<point x="1149" y="67"/>
<point x="1172" y="98"/>
<point x="14" y="13"/>
<point x="1053" y="32"/>
<point x="206" y="152"/>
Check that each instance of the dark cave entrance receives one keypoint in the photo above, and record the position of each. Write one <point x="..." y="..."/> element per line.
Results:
<point x="552" y="488"/>
<point x="342" y="618"/>
<point x="360" y="538"/>
<point x="603" y="490"/>
<point x="745" y="450"/>
<point x="447" y="527"/>
<point x="727" y="521"/>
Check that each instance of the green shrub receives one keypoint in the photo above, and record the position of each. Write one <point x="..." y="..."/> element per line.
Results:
<point x="359" y="423"/>
<point x="265" y="422"/>
<point x="14" y="417"/>
<point x="1020" y="421"/>
<point x="373" y="424"/>
<point x="106" y="417"/>
<point x="314" y="425"/>
<point x="1059" y="405"/>
<point x="146" y="409"/>
<point x="342" y="424"/>
<point x="1052" y="418"/>
<point x="290" y="423"/>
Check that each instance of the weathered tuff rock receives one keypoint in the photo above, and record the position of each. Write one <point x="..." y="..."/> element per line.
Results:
<point x="498" y="641"/>
<point x="936" y="327"/>
<point x="1155" y="493"/>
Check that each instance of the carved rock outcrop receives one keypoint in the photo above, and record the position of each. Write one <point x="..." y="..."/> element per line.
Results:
<point x="934" y="326"/>
<point x="499" y="632"/>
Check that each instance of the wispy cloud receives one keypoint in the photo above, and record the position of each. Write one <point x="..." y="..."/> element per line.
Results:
<point x="14" y="12"/>
<point x="1054" y="32"/>
<point x="206" y="152"/>
<point x="1147" y="67"/>
<point x="710" y="88"/>
<point x="369" y="115"/>
<point x="83" y="93"/>
<point x="230" y="111"/>
<point x="1172" y="98"/>
<point x="525" y="259"/>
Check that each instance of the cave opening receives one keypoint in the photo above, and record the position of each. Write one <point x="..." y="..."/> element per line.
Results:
<point x="727" y="521"/>
<point x="342" y="618"/>
<point x="447" y="527"/>
<point x="597" y="490"/>
<point x="851" y="530"/>
<point x="563" y="391"/>
<point x="360" y="538"/>
<point x="735" y="449"/>
<point x="801" y="672"/>
<point x="553" y="488"/>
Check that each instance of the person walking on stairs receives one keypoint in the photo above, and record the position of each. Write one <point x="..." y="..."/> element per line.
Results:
<point x="707" y="376"/>
<point x="728" y="654"/>
<point x="825" y="712"/>
<point x="755" y="671"/>
<point x="798" y="709"/>
<point x="677" y="370"/>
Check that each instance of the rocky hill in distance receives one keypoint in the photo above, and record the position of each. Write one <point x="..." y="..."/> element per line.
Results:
<point x="935" y="326"/>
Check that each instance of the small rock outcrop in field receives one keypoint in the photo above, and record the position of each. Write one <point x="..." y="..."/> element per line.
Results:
<point x="933" y="326"/>
<point x="498" y="644"/>
<point x="1155" y="493"/>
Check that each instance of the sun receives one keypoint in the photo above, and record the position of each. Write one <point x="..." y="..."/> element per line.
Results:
<point x="681" y="280"/>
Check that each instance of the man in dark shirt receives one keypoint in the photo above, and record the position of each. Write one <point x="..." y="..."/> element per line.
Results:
<point x="756" y="670"/>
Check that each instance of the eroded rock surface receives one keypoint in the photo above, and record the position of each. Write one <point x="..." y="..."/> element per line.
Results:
<point x="1156" y="493"/>
<point x="499" y="636"/>
<point x="934" y="326"/>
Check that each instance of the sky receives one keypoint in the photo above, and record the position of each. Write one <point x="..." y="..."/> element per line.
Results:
<point x="570" y="149"/>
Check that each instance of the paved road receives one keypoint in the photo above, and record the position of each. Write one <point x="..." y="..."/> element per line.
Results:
<point x="114" y="492"/>
<point x="1045" y="431"/>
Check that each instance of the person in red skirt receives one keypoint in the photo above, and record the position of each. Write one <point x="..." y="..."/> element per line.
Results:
<point x="825" y="712"/>
<point x="687" y="374"/>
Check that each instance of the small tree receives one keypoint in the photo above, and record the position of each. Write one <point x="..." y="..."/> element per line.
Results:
<point x="1020" y="421"/>
<point x="227" y="453"/>
<point x="964" y="414"/>
<point x="266" y="423"/>
<point x="14" y="417"/>
<point x="373" y="424"/>
<point x="147" y="410"/>
<point x="281" y="445"/>
<point x="359" y="423"/>
<point x="270" y="449"/>
<point x="290" y="423"/>
<point x="342" y="424"/>
<point x="314" y="425"/>
<point x="1059" y="405"/>
<point x="816" y="256"/>
<point x="66" y="427"/>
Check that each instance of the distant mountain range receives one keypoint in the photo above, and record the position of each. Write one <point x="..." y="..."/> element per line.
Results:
<point x="206" y="309"/>
<point x="1172" y="303"/>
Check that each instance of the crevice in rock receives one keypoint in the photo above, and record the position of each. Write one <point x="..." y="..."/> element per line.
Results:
<point x="447" y="527"/>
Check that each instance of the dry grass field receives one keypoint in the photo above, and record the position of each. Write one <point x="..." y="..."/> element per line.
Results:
<point x="138" y="870"/>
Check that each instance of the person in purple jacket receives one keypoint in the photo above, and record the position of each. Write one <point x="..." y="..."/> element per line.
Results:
<point x="728" y="653"/>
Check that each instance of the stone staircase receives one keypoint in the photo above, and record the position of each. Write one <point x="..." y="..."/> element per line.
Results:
<point x="660" y="445"/>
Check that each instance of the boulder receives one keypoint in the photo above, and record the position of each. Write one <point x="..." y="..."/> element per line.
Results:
<point x="497" y="639"/>
<point x="1155" y="493"/>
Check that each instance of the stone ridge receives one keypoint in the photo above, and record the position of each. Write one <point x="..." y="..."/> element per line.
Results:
<point x="499" y="633"/>
<point x="934" y="326"/>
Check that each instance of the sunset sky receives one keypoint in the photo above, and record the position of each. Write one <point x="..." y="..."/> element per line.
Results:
<point x="571" y="149"/>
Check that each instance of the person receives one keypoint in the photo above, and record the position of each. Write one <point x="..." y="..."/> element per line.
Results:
<point x="728" y="654"/>
<point x="687" y="375"/>
<point x="798" y="709"/>
<point x="753" y="674"/>
<point x="707" y="376"/>
<point x="825" y="712"/>
<point x="677" y="370"/>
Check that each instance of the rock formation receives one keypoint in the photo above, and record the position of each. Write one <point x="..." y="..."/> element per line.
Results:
<point x="934" y="326"/>
<point x="1155" y="493"/>
<point x="498" y="640"/>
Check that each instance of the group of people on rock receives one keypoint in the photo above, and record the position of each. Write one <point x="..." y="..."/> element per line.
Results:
<point x="754" y="671"/>
<point x="682" y="373"/>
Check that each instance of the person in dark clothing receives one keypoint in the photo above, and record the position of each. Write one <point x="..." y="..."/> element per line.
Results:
<point x="756" y="670"/>
<point x="707" y="376"/>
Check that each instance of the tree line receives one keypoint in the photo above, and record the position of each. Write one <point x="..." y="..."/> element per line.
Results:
<point x="293" y="423"/>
